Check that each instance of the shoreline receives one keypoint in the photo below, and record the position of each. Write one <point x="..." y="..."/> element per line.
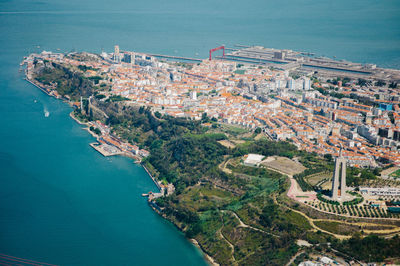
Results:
<point x="151" y="176"/>
<point x="71" y="114"/>
<point x="37" y="86"/>
<point x="208" y="259"/>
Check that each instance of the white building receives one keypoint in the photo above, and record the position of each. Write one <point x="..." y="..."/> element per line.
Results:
<point x="291" y="84"/>
<point x="306" y="84"/>
<point x="280" y="83"/>
<point x="193" y="95"/>
<point x="253" y="159"/>
<point x="382" y="191"/>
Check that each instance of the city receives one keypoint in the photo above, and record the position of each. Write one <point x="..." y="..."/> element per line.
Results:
<point x="200" y="133"/>
<point x="325" y="116"/>
<point x="316" y="113"/>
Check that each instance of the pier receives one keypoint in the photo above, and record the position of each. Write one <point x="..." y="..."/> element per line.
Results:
<point x="105" y="149"/>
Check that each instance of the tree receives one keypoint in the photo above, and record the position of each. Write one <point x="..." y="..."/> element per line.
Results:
<point x="257" y="131"/>
<point x="393" y="85"/>
<point x="362" y="82"/>
<point x="328" y="156"/>
<point x="380" y="83"/>
<point x="157" y="114"/>
<point x="205" y="118"/>
<point x="141" y="109"/>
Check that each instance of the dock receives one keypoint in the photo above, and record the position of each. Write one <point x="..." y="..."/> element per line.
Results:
<point x="105" y="150"/>
<point x="305" y="61"/>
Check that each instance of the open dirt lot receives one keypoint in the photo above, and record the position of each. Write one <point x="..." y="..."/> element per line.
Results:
<point x="283" y="164"/>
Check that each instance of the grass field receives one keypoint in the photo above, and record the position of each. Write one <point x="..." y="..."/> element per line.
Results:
<point x="227" y="143"/>
<point x="232" y="130"/>
<point x="322" y="179"/>
<point x="205" y="197"/>
<point x="395" y="174"/>
<point x="337" y="227"/>
<point x="342" y="228"/>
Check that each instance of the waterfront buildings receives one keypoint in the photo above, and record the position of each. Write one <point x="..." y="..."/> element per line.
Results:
<point x="117" y="58"/>
<point x="315" y="114"/>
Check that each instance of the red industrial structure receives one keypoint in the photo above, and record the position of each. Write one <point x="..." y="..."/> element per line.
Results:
<point x="216" y="49"/>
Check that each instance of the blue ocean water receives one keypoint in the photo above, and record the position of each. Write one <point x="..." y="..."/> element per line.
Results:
<point x="60" y="201"/>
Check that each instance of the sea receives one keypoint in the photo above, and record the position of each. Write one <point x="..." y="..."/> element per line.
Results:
<point x="63" y="203"/>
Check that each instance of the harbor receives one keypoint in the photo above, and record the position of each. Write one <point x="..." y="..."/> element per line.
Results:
<point x="304" y="61"/>
<point x="290" y="60"/>
<point x="105" y="149"/>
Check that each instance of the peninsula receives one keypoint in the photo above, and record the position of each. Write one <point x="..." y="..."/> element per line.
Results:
<point x="244" y="148"/>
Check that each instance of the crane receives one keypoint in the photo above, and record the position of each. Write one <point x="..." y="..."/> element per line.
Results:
<point x="216" y="49"/>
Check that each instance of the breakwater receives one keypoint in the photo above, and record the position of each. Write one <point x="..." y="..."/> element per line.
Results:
<point x="151" y="176"/>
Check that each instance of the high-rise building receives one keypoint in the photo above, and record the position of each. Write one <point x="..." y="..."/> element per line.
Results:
<point x="306" y="84"/>
<point x="132" y="58"/>
<point x="127" y="58"/>
<point x="291" y="84"/>
<point x="116" y="54"/>
<point x="280" y="83"/>
<point x="339" y="178"/>
<point x="279" y="55"/>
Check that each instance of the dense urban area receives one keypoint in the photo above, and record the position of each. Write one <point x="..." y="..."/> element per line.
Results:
<point x="261" y="156"/>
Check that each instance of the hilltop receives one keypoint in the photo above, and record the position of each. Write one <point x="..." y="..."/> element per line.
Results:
<point x="238" y="213"/>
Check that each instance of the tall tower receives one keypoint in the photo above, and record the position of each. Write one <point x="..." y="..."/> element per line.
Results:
<point x="339" y="178"/>
<point x="132" y="58"/>
<point x="306" y="84"/>
<point x="291" y="84"/>
<point x="116" y="54"/>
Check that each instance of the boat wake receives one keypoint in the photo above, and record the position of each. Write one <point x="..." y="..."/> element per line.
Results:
<point x="46" y="112"/>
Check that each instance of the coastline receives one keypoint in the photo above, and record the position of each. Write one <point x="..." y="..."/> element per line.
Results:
<point x="77" y="120"/>
<point x="37" y="86"/>
<point x="151" y="176"/>
<point x="208" y="259"/>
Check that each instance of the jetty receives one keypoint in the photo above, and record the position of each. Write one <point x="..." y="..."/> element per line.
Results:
<point x="152" y="178"/>
<point x="105" y="149"/>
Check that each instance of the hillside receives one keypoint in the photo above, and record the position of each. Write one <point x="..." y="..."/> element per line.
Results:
<point x="239" y="216"/>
